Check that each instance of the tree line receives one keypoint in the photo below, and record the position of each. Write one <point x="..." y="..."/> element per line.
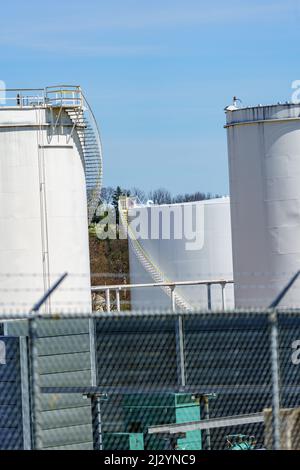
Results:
<point x="110" y="195"/>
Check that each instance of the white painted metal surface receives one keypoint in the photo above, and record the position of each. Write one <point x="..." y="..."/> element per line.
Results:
<point x="212" y="423"/>
<point x="43" y="209"/>
<point x="264" y="164"/>
<point x="210" y="259"/>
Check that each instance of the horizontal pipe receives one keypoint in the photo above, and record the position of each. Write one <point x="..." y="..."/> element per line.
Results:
<point x="222" y="421"/>
<point x="74" y="87"/>
<point x="22" y="89"/>
<point x="157" y="389"/>
<point x="44" y="124"/>
<point x="71" y="88"/>
<point x="162" y="284"/>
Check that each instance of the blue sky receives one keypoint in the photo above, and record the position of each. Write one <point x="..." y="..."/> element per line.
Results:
<point x="158" y="75"/>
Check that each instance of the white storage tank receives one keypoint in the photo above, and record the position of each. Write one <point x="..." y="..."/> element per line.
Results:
<point x="50" y="161"/>
<point x="264" y="168"/>
<point x="43" y="200"/>
<point x="203" y="252"/>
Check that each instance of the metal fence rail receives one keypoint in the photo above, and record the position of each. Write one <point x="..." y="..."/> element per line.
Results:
<point x="127" y="380"/>
<point x="118" y="288"/>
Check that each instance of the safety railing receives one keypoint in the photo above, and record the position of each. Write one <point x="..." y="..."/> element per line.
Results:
<point x="61" y="100"/>
<point x="64" y="95"/>
<point x="22" y="97"/>
<point x="117" y="289"/>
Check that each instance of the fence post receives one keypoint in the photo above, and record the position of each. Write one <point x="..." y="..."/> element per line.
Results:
<point x="206" y="416"/>
<point x="275" y="380"/>
<point x="180" y="351"/>
<point x="97" y="422"/>
<point x="35" y="385"/>
<point x="95" y="401"/>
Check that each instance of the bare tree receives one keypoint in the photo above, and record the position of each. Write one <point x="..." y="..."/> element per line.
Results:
<point x="139" y="193"/>
<point x="160" y="196"/>
<point x="106" y="195"/>
<point x="192" y="197"/>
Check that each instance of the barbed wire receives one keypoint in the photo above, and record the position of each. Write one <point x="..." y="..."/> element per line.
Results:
<point x="125" y="274"/>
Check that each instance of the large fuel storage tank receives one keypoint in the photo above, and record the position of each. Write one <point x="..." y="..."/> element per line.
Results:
<point x="181" y="242"/>
<point x="43" y="199"/>
<point x="50" y="176"/>
<point x="264" y="168"/>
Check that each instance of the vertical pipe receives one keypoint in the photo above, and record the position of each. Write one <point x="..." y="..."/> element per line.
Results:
<point x="96" y="419"/>
<point x="223" y="285"/>
<point x="206" y="416"/>
<point x="173" y="302"/>
<point x="118" y="300"/>
<point x="209" y="296"/>
<point x="107" y="299"/>
<point x="275" y="381"/>
<point x="35" y="386"/>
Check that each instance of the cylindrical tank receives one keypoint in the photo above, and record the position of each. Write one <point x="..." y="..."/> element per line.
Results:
<point x="43" y="208"/>
<point x="167" y="244"/>
<point x="264" y="168"/>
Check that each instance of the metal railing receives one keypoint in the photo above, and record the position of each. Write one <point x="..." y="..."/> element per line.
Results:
<point x="61" y="100"/>
<point x="64" y="95"/>
<point x="61" y="95"/>
<point x="118" y="288"/>
<point x="22" y="97"/>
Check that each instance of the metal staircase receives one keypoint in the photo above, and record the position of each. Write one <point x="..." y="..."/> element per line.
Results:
<point x="72" y="101"/>
<point x="91" y="155"/>
<point x="155" y="273"/>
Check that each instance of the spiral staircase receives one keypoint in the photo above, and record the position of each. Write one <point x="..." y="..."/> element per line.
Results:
<point x="72" y="101"/>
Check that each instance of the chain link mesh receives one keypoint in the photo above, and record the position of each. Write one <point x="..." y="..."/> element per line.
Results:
<point x="150" y="381"/>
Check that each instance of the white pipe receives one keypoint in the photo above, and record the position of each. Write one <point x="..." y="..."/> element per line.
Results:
<point x="107" y="299"/>
<point x="161" y="284"/>
<point x="223" y="296"/>
<point x="173" y="301"/>
<point x="118" y="300"/>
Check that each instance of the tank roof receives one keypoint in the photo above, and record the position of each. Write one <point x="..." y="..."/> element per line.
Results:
<point x="218" y="200"/>
<point x="260" y="113"/>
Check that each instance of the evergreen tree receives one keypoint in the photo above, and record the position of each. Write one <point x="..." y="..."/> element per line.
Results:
<point x="115" y="201"/>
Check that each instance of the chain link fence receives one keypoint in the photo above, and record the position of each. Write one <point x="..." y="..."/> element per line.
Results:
<point x="154" y="381"/>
